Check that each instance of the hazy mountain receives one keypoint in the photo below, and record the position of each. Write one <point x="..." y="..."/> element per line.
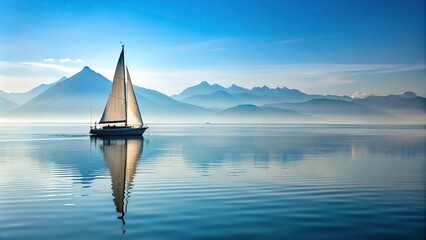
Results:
<point x="74" y="98"/>
<point x="392" y="102"/>
<point x="219" y="99"/>
<point x="337" y="110"/>
<point x="204" y="95"/>
<point x="201" y="89"/>
<point x="407" y="106"/>
<point x="159" y="107"/>
<point x="236" y="89"/>
<point x="329" y="96"/>
<point x="290" y="95"/>
<point x="408" y="94"/>
<point x="21" y="98"/>
<point x="251" y="114"/>
<point x="6" y="105"/>
<point x="279" y="94"/>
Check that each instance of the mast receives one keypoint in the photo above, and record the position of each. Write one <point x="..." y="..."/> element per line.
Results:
<point x="125" y="90"/>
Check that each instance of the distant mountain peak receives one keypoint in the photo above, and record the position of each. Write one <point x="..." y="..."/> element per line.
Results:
<point x="261" y="88"/>
<point x="201" y="89"/>
<point x="85" y="73"/>
<point x="408" y="94"/>
<point x="236" y="89"/>
<point x="234" y="86"/>
<point x="204" y="83"/>
<point x="85" y="69"/>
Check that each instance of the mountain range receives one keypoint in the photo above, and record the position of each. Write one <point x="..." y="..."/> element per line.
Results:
<point x="84" y="94"/>
<point x="216" y="96"/>
<point x="337" y="110"/>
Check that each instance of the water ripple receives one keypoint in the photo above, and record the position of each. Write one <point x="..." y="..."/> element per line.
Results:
<point x="280" y="182"/>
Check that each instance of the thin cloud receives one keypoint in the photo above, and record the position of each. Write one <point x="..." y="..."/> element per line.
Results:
<point x="63" y="60"/>
<point x="289" y="41"/>
<point x="405" y="68"/>
<point x="216" y="49"/>
<point x="333" y="81"/>
<point x="56" y="67"/>
<point x="348" y="69"/>
<point x="209" y="45"/>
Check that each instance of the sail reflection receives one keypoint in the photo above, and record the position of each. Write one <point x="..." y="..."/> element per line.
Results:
<point x="121" y="155"/>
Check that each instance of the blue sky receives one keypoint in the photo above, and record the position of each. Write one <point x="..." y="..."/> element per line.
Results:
<point x="335" y="47"/>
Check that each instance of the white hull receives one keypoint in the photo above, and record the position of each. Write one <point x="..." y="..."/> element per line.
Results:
<point x="118" y="131"/>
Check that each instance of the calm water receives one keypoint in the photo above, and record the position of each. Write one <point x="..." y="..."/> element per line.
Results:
<point x="214" y="181"/>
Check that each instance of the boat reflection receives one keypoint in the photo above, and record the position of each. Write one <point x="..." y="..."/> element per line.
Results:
<point x="121" y="155"/>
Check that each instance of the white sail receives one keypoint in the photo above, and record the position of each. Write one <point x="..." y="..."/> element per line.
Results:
<point x="115" y="109"/>
<point x="133" y="113"/>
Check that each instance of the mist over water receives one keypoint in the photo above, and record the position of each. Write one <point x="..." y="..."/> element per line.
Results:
<point x="214" y="181"/>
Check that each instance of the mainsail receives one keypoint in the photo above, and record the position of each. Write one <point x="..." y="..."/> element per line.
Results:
<point x="133" y="113"/>
<point x="115" y="109"/>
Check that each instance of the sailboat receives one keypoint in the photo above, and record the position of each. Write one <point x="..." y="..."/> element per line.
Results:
<point x="121" y="115"/>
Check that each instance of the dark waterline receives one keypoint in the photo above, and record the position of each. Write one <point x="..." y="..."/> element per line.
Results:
<point x="214" y="181"/>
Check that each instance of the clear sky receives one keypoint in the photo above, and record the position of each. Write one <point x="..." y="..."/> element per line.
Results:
<point x="327" y="47"/>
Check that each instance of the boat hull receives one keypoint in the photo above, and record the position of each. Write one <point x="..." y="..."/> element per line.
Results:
<point x="119" y="131"/>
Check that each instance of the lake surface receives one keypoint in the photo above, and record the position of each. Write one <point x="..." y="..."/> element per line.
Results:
<point x="214" y="182"/>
